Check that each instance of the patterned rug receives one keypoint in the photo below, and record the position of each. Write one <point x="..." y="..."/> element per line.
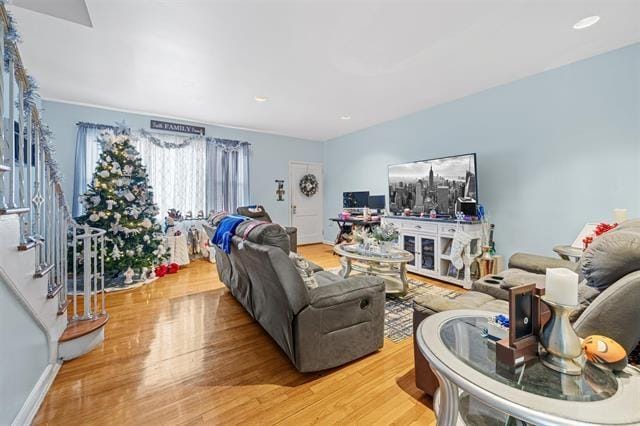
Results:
<point x="398" y="309"/>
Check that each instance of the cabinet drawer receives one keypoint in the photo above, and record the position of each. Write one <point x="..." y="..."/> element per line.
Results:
<point x="414" y="225"/>
<point x="449" y="228"/>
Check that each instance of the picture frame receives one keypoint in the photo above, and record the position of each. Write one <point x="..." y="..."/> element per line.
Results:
<point x="523" y="315"/>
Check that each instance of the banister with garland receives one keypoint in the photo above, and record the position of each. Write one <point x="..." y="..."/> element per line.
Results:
<point x="30" y="187"/>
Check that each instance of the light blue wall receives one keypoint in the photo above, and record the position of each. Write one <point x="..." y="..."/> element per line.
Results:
<point x="23" y="354"/>
<point x="270" y="153"/>
<point x="555" y="150"/>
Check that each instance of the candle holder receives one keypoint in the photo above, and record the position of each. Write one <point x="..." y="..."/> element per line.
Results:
<point x="563" y="349"/>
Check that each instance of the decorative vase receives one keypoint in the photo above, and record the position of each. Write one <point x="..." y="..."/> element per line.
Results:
<point x="486" y="261"/>
<point x="386" y="246"/>
<point x="561" y="343"/>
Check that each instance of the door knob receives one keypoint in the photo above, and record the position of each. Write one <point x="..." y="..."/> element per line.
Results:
<point x="293" y="209"/>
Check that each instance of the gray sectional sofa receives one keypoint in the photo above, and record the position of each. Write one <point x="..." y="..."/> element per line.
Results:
<point x="338" y="321"/>
<point x="609" y="292"/>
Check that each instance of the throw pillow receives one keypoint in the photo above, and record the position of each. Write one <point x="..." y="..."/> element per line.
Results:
<point x="305" y="271"/>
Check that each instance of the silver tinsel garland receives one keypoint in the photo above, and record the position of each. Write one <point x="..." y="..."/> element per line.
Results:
<point x="30" y="97"/>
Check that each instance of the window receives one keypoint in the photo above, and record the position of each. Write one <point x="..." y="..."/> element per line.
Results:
<point x="186" y="173"/>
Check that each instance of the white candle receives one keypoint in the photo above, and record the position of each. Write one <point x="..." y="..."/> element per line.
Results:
<point x="619" y="215"/>
<point x="561" y="286"/>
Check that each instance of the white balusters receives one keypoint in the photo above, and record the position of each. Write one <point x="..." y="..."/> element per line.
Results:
<point x="74" y="268"/>
<point x="86" y="250"/>
<point x="91" y="242"/>
<point x="21" y="160"/>
<point x="29" y="187"/>
<point x="9" y="136"/>
<point x="3" y="166"/>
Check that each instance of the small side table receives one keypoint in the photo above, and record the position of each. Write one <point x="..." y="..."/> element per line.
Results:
<point x="475" y="390"/>
<point x="567" y="252"/>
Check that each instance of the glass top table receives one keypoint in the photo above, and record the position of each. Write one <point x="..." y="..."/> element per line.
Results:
<point x="475" y="389"/>
<point x="466" y="338"/>
<point x="390" y="264"/>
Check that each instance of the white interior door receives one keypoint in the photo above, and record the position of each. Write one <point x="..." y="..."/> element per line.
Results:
<point x="306" y="211"/>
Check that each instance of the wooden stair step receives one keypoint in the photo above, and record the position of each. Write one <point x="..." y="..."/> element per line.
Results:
<point x="78" y="328"/>
<point x="17" y="210"/>
<point x="43" y="272"/>
<point x="27" y="246"/>
<point x="54" y="292"/>
<point x="62" y="309"/>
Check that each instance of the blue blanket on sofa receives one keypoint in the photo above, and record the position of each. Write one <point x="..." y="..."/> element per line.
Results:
<point x="226" y="230"/>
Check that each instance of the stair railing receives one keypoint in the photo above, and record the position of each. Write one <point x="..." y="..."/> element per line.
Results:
<point x="30" y="187"/>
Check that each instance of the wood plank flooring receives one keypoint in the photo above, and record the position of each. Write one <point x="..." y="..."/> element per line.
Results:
<point x="183" y="351"/>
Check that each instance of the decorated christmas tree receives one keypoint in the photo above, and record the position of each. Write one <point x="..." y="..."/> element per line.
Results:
<point x="120" y="201"/>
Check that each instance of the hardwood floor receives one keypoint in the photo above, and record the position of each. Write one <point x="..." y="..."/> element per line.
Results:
<point x="183" y="351"/>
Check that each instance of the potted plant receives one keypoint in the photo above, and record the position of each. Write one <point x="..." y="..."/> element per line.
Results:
<point x="386" y="235"/>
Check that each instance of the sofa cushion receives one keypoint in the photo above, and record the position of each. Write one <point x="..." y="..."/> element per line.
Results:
<point x="498" y="285"/>
<point x="469" y="300"/>
<point x="326" y="278"/>
<point x="305" y="271"/>
<point x="586" y="295"/>
<point x="612" y="256"/>
<point x="270" y="234"/>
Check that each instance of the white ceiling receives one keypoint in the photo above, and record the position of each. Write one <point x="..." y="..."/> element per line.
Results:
<point x="315" y="60"/>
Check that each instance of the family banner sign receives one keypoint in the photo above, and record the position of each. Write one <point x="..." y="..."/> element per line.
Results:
<point x="177" y="127"/>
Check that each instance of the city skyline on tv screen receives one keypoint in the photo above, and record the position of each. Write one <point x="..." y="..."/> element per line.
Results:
<point x="422" y="186"/>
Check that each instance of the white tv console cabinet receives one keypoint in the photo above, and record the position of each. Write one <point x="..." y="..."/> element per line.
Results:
<point x="430" y="242"/>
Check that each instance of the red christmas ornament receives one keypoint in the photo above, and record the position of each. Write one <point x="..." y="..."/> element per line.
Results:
<point x="173" y="268"/>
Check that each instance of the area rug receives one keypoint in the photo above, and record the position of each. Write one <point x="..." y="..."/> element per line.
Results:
<point x="398" y="309"/>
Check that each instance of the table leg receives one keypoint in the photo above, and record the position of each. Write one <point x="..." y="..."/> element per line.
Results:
<point x="403" y="277"/>
<point x="346" y="267"/>
<point x="448" y="401"/>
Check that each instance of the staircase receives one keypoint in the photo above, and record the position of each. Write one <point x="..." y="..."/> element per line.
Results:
<point x="52" y="303"/>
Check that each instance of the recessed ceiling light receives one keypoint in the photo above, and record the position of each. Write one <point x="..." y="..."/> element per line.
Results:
<point x="586" y="22"/>
<point x="345" y="117"/>
<point x="260" y="99"/>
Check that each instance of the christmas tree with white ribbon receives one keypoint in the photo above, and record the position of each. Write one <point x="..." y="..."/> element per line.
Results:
<point x="120" y="201"/>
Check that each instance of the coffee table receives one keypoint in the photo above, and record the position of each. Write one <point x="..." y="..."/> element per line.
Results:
<point x="474" y="390"/>
<point x="390" y="265"/>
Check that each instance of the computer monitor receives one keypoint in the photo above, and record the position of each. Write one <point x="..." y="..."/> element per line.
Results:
<point x="352" y="200"/>
<point x="376" y="202"/>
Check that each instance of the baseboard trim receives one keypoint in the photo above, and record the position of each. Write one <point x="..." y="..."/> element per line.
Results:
<point x="329" y="243"/>
<point x="31" y="406"/>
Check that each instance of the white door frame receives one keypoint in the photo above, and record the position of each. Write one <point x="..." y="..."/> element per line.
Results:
<point x="315" y="163"/>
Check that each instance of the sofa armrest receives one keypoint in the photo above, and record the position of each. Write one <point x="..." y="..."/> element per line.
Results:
<point x="539" y="264"/>
<point x="346" y="290"/>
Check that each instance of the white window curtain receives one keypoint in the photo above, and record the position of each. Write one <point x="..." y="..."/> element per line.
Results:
<point x="177" y="170"/>
<point x="186" y="173"/>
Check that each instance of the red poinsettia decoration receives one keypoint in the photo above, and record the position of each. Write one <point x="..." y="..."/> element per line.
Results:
<point x="161" y="270"/>
<point x="600" y="229"/>
<point x="173" y="268"/>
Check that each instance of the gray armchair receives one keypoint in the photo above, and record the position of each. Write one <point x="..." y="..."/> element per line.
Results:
<point x="609" y="292"/>
<point x="258" y="212"/>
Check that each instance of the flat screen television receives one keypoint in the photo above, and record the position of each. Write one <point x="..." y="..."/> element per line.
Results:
<point x="352" y="200"/>
<point x="433" y="184"/>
